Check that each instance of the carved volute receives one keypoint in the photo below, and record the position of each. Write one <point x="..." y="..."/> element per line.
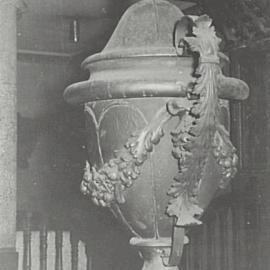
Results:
<point x="157" y="140"/>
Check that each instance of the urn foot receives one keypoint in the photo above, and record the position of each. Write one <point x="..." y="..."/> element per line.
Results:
<point x="154" y="252"/>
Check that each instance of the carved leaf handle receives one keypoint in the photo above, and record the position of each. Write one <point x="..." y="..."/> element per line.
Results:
<point x="199" y="138"/>
<point x="200" y="135"/>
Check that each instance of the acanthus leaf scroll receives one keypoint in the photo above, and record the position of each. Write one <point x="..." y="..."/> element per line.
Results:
<point x="200" y="134"/>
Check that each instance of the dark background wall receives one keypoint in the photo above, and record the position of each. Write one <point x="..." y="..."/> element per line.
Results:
<point x="51" y="156"/>
<point x="51" y="136"/>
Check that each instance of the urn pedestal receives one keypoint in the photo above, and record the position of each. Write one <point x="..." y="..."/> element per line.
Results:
<point x="156" y="124"/>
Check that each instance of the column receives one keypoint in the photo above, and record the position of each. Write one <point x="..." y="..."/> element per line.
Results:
<point x="8" y="255"/>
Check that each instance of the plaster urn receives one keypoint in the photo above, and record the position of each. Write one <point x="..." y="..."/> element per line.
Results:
<point x="156" y="121"/>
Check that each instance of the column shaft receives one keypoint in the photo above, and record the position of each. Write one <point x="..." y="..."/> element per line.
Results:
<point x="8" y="256"/>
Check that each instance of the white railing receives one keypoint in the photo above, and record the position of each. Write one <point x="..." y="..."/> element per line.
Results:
<point x="50" y="251"/>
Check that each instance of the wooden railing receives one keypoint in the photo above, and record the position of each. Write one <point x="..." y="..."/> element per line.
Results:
<point x="228" y="238"/>
<point x="211" y="245"/>
<point x="47" y="249"/>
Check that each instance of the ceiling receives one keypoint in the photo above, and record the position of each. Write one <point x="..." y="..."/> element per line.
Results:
<point x="43" y="26"/>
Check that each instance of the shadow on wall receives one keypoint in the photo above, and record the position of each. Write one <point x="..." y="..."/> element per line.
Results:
<point x="50" y="161"/>
<point x="107" y="241"/>
<point x="51" y="156"/>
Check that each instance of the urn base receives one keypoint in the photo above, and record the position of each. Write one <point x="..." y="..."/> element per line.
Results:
<point x="154" y="252"/>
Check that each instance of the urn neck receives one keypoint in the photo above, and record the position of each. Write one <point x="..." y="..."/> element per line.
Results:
<point x="153" y="258"/>
<point x="154" y="254"/>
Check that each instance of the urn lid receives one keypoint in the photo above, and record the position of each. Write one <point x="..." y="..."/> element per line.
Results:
<point x="140" y="60"/>
<point x="145" y="29"/>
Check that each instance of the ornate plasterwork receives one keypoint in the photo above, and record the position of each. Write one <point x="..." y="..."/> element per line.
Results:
<point x="107" y="184"/>
<point x="200" y="134"/>
<point x="199" y="139"/>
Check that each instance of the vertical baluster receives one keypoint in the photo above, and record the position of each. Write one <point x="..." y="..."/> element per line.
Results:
<point x="210" y="246"/>
<point x="251" y="214"/>
<point x="58" y="250"/>
<point x="196" y="248"/>
<point x="249" y="240"/>
<point x="192" y="251"/>
<point x="27" y="242"/>
<point x="217" y="243"/>
<point x="89" y="262"/>
<point x="183" y="259"/>
<point x="74" y="242"/>
<point x="239" y="236"/>
<point x="229" y="240"/>
<point x="199" y="246"/>
<point x="186" y="254"/>
<point x="223" y="237"/>
<point x="189" y="253"/>
<point x="43" y="246"/>
<point x="204" y="251"/>
<point x="225" y="240"/>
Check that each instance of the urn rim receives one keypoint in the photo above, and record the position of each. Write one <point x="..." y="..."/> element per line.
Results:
<point x="144" y="40"/>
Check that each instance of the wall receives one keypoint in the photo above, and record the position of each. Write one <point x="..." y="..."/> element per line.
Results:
<point x="251" y="121"/>
<point x="51" y="157"/>
<point x="47" y="153"/>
